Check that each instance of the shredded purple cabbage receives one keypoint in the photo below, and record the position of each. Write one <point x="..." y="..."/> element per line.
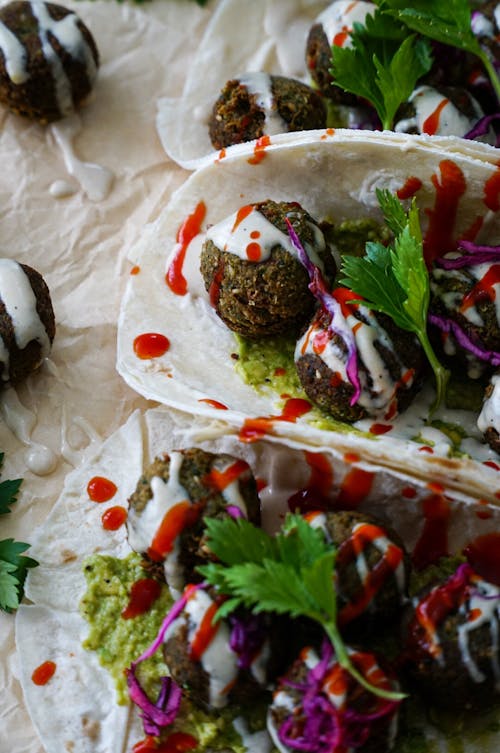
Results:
<point x="482" y="126"/>
<point x="246" y="638"/>
<point x="474" y="254"/>
<point x="450" y="326"/>
<point x="318" y="288"/>
<point x="234" y="511"/>
<point x="163" y="711"/>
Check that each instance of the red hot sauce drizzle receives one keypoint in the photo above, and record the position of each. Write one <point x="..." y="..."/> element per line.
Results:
<point x="259" y="150"/>
<point x="114" y="518"/>
<point x="143" y="594"/>
<point x="190" y="228"/>
<point x="409" y="189"/>
<point x="42" y="674"/>
<point x="355" y="487"/>
<point x="314" y="496"/>
<point x="450" y="187"/>
<point x="433" y="541"/>
<point x="254" y="429"/>
<point x="483" y="555"/>
<point x="101" y="489"/>
<point x="492" y="190"/>
<point x="150" y="345"/>
<point x="213" y="403"/>
<point x="176" y="519"/>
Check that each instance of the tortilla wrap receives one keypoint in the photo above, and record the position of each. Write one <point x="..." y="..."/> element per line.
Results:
<point x="268" y="35"/>
<point x="332" y="175"/>
<point x="77" y="710"/>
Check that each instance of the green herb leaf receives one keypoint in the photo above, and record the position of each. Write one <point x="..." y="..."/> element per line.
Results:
<point x="394" y="280"/>
<point x="8" y="494"/>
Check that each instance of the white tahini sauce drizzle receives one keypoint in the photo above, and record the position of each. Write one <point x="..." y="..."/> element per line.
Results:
<point x="340" y="17"/>
<point x="450" y="121"/>
<point x="40" y="460"/>
<point x="255" y="235"/>
<point x="94" y="179"/>
<point x="15" y="55"/>
<point x="254" y="742"/>
<point x="489" y="418"/>
<point x="19" y="300"/>
<point x="258" y="84"/>
<point x="482" y="608"/>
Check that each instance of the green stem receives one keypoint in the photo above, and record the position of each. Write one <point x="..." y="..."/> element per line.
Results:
<point x="441" y="374"/>
<point x="490" y="68"/>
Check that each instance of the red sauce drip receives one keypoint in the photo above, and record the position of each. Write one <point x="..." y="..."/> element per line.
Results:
<point x="101" y="489"/>
<point x="180" y="516"/>
<point x="426" y="448"/>
<point x="343" y="296"/>
<point x="177" y="742"/>
<point x="409" y="492"/>
<point x="254" y="251"/>
<point x="135" y="270"/>
<point x="189" y="229"/>
<point x="435" y="487"/>
<point x="356" y="486"/>
<point x="351" y="457"/>
<point x="449" y="188"/>
<point x="433" y="541"/>
<point x="222" y="154"/>
<point x="492" y="191"/>
<point x="340" y="38"/>
<point x="151" y="345"/>
<point x="385" y="568"/>
<point x="220" y="480"/>
<point x="114" y="518"/>
<point x="409" y="189"/>
<point x="279" y="371"/>
<point x="491" y="464"/>
<point x="205" y="633"/>
<point x="213" y="403"/>
<point x="42" y="674"/>
<point x="294" y="408"/>
<point x="214" y="287"/>
<point x="259" y="150"/>
<point x="431" y="124"/>
<point x="143" y="594"/>
<point x="378" y="429"/>
<point x="484" y="289"/>
<point x="254" y="429"/>
<point x="314" y="496"/>
<point x="483" y="555"/>
<point x="241" y="215"/>
<point x="261" y="483"/>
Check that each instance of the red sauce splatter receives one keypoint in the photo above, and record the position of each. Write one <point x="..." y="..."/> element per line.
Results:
<point x="254" y="429"/>
<point x="220" y="480"/>
<point x="261" y="483"/>
<point x="409" y="492"/>
<point x="241" y="215"/>
<point x="101" y="489"/>
<point x="135" y="270"/>
<point x="213" y="403"/>
<point x="279" y="371"/>
<point x="151" y="345"/>
<point x="433" y="541"/>
<point x="205" y="634"/>
<point x="177" y="742"/>
<point x="483" y="555"/>
<point x="351" y="457"/>
<point x="143" y="594"/>
<point x="214" y="288"/>
<point x="222" y="155"/>
<point x="409" y="189"/>
<point x="492" y="191"/>
<point x="254" y="251"/>
<point x="431" y="124"/>
<point x="315" y="495"/>
<point x="435" y="487"/>
<point x="450" y="187"/>
<point x="42" y="674"/>
<point x="294" y="408"/>
<point x="426" y="448"/>
<point x="189" y="229"/>
<point x="491" y="464"/>
<point x="355" y="488"/>
<point x="340" y="38"/>
<point x="378" y="429"/>
<point x="484" y="289"/>
<point x="114" y="518"/>
<point x="176" y="519"/>
<point x="328" y="132"/>
<point x="259" y="150"/>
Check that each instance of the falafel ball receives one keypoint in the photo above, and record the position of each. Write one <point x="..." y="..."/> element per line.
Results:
<point x="347" y="343"/>
<point x="258" y="104"/>
<point x="371" y="566"/>
<point x="332" y="28"/>
<point x="488" y="421"/>
<point x="27" y="324"/>
<point x="222" y="662"/>
<point x="319" y="703"/>
<point x="171" y="499"/>
<point x="252" y="273"/>
<point x="49" y="60"/>
<point x="450" y="647"/>
<point x="443" y="111"/>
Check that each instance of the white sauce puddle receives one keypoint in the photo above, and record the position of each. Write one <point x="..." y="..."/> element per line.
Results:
<point x="40" y="460"/>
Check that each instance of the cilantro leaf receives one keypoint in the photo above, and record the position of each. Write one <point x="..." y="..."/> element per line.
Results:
<point x="394" y="281"/>
<point x="9" y="599"/>
<point x="8" y="494"/>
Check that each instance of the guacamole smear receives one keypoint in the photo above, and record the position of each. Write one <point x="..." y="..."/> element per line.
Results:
<point x="118" y="642"/>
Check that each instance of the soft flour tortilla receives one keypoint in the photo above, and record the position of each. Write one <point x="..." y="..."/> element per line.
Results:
<point x="333" y="175"/>
<point x="77" y="710"/>
<point x="268" y="35"/>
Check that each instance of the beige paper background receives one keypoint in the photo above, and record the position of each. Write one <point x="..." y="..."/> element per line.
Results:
<point x="80" y="248"/>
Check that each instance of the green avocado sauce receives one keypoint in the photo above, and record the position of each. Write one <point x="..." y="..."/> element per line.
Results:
<point x="119" y="641"/>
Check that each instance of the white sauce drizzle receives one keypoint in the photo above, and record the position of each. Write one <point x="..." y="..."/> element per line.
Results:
<point x="451" y="122"/>
<point x="258" y="84"/>
<point x="60" y="189"/>
<point x="482" y="608"/>
<point x="489" y="416"/>
<point x="340" y="17"/>
<point x="15" y="55"/>
<point x="39" y="459"/>
<point x="254" y="742"/>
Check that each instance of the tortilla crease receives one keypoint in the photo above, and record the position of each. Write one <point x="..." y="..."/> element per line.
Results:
<point x="270" y="36"/>
<point x="77" y="710"/>
<point x="333" y="176"/>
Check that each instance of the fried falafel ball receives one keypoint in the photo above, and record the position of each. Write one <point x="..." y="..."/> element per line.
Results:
<point x="332" y="28"/>
<point x="217" y="663"/>
<point x="252" y="273"/>
<point x="450" y="647"/>
<point x="49" y="60"/>
<point x="27" y="324"/>
<point x="488" y="421"/>
<point x="171" y="499"/>
<point x="319" y="703"/>
<point x="371" y="566"/>
<point x="346" y="344"/>
<point x="258" y="104"/>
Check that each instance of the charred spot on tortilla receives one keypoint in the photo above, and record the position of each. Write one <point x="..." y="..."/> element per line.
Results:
<point x="372" y="567"/>
<point x="443" y="111"/>
<point x="27" y="323"/>
<point x="488" y="421"/>
<point x="450" y="650"/>
<point x="48" y="60"/>
<point x="317" y="695"/>
<point x="172" y="498"/>
<point x="258" y="104"/>
<point x="389" y="361"/>
<point x="256" y="283"/>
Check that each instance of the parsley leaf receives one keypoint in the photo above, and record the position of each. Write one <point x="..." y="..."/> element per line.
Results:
<point x="14" y="565"/>
<point x="394" y="280"/>
<point x="293" y="574"/>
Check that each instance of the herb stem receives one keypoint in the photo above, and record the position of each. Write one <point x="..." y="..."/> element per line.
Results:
<point x="490" y="69"/>
<point x="441" y="374"/>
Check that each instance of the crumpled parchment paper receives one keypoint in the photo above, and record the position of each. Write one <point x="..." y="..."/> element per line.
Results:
<point x="79" y="245"/>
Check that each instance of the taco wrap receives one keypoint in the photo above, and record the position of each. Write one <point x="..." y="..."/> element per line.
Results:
<point x="80" y="708"/>
<point x="333" y="175"/>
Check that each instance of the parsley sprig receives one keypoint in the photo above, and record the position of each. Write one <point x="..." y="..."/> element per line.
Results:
<point x="14" y="565"/>
<point x="391" y="51"/>
<point x="289" y="573"/>
<point x="394" y="279"/>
